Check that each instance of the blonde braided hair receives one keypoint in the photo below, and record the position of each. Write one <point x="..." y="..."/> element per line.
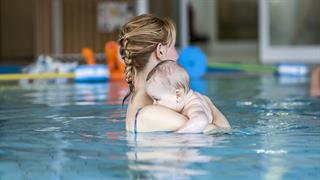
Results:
<point x="138" y="39"/>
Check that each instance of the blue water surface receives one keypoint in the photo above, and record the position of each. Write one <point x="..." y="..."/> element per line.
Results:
<point x="51" y="130"/>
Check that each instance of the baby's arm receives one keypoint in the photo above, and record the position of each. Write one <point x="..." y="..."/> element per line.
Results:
<point x="219" y="120"/>
<point x="199" y="115"/>
<point x="198" y="121"/>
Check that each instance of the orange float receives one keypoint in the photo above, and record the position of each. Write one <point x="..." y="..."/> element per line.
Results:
<point x="88" y="55"/>
<point x="115" y="63"/>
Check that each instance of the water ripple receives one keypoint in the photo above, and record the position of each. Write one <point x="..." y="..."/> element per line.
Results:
<point x="48" y="129"/>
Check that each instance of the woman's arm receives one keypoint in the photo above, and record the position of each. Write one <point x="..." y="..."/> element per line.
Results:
<point x="159" y="118"/>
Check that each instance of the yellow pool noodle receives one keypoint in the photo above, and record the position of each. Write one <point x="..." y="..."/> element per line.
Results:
<point x="7" y="77"/>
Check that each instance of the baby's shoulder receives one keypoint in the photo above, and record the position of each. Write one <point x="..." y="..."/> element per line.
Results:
<point x="195" y="101"/>
<point x="197" y="97"/>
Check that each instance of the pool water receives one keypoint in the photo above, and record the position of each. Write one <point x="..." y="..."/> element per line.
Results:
<point x="77" y="131"/>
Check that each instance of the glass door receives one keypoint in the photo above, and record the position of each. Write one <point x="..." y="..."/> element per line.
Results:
<point x="289" y="31"/>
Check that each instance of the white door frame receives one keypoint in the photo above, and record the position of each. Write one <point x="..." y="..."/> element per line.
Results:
<point x="276" y="54"/>
<point x="229" y="46"/>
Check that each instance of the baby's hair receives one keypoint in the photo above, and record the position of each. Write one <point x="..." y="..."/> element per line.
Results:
<point x="170" y="75"/>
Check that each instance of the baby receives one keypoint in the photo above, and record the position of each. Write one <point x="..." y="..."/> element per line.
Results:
<point x="168" y="85"/>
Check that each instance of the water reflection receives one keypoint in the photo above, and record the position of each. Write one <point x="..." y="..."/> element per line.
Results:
<point x="278" y="88"/>
<point x="75" y="94"/>
<point x="60" y="112"/>
<point x="272" y="121"/>
<point x="117" y="90"/>
<point x="167" y="155"/>
<point x="90" y="93"/>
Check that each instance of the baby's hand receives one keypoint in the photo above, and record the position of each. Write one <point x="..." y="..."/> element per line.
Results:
<point x="209" y="129"/>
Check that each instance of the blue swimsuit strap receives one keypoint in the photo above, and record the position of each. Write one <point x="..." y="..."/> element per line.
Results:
<point x="135" y="121"/>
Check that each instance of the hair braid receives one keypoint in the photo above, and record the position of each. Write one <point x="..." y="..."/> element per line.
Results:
<point x="129" y="69"/>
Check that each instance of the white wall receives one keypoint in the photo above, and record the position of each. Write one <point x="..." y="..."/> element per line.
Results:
<point x="204" y="16"/>
<point x="204" y="11"/>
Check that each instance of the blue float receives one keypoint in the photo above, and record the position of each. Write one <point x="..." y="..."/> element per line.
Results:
<point x="91" y="73"/>
<point x="199" y="85"/>
<point x="194" y="60"/>
<point x="286" y="69"/>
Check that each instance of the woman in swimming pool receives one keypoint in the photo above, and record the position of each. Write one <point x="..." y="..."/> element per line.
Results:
<point x="145" y="41"/>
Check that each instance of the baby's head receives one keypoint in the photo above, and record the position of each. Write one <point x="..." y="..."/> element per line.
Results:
<point x="168" y="84"/>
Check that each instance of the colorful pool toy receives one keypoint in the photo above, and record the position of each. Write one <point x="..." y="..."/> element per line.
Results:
<point x="115" y="64"/>
<point x="91" y="72"/>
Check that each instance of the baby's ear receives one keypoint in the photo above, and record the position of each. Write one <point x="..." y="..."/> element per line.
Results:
<point x="179" y="93"/>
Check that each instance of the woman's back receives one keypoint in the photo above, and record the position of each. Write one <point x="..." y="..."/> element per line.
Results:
<point x="137" y="102"/>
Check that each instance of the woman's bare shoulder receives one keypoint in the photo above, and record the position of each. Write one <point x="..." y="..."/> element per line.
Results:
<point x="152" y="117"/>
<point x="135" y="103"/>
